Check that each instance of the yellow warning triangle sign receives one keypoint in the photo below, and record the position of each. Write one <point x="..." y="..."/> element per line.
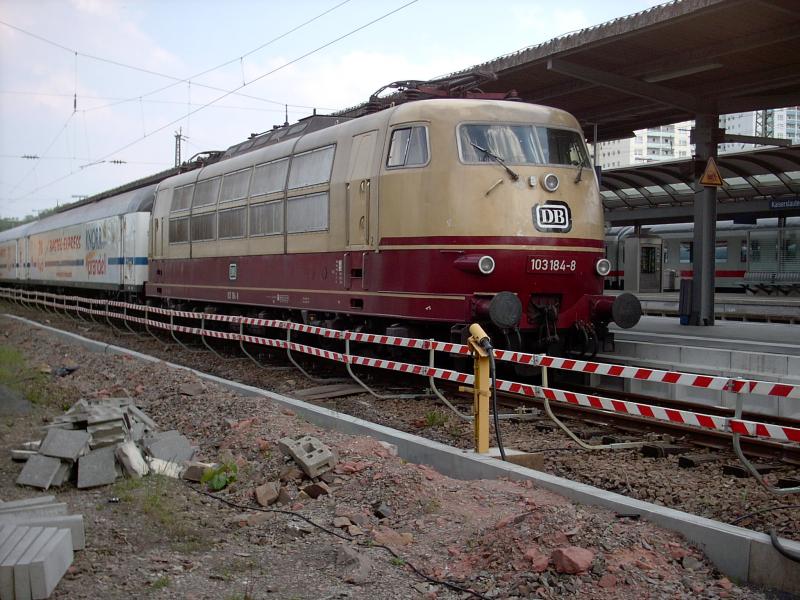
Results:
<point x="711" y="176"/>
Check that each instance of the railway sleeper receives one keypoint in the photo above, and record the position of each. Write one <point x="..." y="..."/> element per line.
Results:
<point x="663" y="449"/>
<point x="740" y="471"/>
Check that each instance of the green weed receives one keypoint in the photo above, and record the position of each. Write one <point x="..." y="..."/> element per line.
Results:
<point x="220" y="477"/>
<point x="435" y="418"/>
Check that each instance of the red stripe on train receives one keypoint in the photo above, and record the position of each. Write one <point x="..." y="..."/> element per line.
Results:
<point x="470" y="240"/>
<point x="719" y="273"/>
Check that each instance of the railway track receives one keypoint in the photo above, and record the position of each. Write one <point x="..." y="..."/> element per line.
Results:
<point x="629" y="472"/>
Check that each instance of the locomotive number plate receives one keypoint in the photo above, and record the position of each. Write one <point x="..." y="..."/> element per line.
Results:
<point x="551" y="264"/>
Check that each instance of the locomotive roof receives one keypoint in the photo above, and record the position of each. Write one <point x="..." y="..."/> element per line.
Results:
<point x="449" y="109"/>
<point x="138" y="200"/>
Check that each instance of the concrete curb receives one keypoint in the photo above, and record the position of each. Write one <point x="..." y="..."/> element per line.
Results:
<point x="739" y="553"/>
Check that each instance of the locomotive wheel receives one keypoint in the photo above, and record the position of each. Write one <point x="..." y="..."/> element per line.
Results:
<point x="582" y="341"/>
<point x="593" y="344"/>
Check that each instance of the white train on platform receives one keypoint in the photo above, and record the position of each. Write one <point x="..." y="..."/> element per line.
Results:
<point x="761" y="258"/>
<point x="100" y="246"/>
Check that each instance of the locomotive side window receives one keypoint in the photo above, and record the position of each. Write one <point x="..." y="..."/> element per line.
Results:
<point x="266" y="219"/>
<point x="232" y="223"/>
<point x="743" y="252"/>
<point x="235" y="185"/>
<point x="179" y="230"/>
<point x="204" y="227"/>
<point x="181" y="197"/>
<point x="307" y="213"/>
<point x="269" y="177"/>
<point x="408" y="147"/>
<point x="206" y="192"/>
<point x="311" y="168"/>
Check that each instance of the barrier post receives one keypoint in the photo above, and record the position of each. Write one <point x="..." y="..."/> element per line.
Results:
<point x="480" y="407"/>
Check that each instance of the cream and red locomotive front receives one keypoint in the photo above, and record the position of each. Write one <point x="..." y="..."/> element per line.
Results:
<point x="415" y="220"/>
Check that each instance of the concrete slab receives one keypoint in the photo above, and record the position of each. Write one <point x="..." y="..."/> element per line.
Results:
<point x="19" y="455"/>
<point x="141" y="417"/>
<point x="63" y="474"/>
<point x="50" y="564"/>
<point x="66" y="444"/>
<point x="72" y="522"/>
<point x="25" y="503"/>
<point x="97" y="468"/>
<point x="7" y="565"/>
<point x="5" y="533"/>
<point x="165" y="467"/>
<point x="173" y="448"/>
<point x="39" y="471"/>
<point x="18" y="515"/>
<point x="22" y="577"/>
<point x="12" y="534"/>
<point x="131" y="459"/>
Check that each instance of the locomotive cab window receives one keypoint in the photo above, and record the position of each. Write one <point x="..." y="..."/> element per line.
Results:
<point x="521" y="145"/>
<point x="408" y="147"/>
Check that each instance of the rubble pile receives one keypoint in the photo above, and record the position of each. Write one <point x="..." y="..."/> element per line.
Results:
<point x="94" y="443"/>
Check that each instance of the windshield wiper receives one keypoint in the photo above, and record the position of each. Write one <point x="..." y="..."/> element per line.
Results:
<point x="513" y="175"/>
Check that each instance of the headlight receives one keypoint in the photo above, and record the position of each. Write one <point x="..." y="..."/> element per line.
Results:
<point x="603" y="267"/>
<point x="486" y="265"/>
<point x="550" y="182"/>
<point x="475" y="263"/>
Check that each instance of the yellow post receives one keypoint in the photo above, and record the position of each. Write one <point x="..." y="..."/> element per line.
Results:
<point x="480" y="409"/>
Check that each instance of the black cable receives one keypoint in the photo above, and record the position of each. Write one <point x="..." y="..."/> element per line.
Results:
<point x="781" y="548"/>
<point x="763" y="510"/>
<point x="493" y="375"/>
<point x="447" y="584"/>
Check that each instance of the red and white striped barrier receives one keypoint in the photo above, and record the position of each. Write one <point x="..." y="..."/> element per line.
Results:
<point x="704" y="421"/>
<point x="683" y="417"/>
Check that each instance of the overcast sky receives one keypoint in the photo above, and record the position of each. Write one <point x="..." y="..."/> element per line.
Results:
<point x="131" y="114"/>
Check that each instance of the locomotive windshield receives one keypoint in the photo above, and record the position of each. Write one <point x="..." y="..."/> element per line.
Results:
<point x="522" y="144"/>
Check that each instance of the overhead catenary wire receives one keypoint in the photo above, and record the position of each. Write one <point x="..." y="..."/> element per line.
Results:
<point x="176" y="80"/>
<point x="153" y="101"/>
<point x="228" y="93"/>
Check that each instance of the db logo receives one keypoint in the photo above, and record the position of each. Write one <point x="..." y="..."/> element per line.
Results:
<point x="552" y="216"/>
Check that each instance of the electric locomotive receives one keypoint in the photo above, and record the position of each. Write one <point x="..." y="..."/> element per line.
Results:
<point x="433" y="213"/>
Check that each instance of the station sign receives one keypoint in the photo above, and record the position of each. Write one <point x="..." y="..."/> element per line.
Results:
<point x="784" y="203"/>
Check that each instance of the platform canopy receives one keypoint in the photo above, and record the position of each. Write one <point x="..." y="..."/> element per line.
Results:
<point x="759" y="183"/>
<point x="660" y="66"/>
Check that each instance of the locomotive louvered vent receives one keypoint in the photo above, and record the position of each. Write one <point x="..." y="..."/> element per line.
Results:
<point x="284" y="132"/>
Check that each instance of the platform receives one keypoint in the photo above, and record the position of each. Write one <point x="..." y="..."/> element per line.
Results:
<point x="761" y="351"/>
<point x="728" y="307"/>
